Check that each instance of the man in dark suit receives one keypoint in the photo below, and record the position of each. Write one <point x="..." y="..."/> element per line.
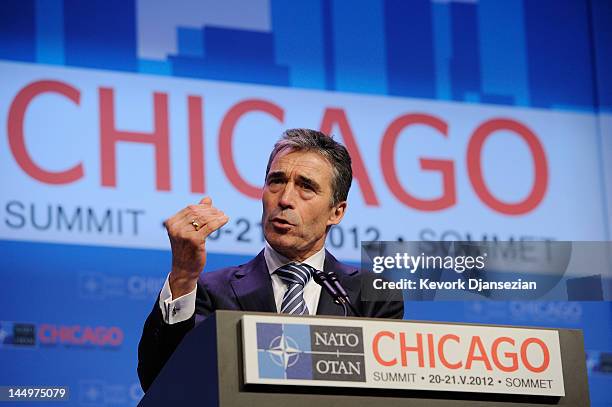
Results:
<point x="308" y="178"/>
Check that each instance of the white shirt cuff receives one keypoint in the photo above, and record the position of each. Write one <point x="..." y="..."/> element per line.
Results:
<point x="178" y="310"/>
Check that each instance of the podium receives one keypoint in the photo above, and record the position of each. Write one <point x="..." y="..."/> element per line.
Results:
<point x="218" y="363"/>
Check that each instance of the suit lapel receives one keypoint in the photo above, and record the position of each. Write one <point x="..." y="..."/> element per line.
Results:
<point x="253" y="287"/>
<point x="327" y="306"/>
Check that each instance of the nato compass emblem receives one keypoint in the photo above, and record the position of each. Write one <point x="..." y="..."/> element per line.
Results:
<point x="284" y="351"/>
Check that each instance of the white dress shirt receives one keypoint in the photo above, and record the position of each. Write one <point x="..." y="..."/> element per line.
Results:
<point x="182" y="308"/>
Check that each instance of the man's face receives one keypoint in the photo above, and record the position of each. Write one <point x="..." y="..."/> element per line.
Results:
<point x="296" y="203"/>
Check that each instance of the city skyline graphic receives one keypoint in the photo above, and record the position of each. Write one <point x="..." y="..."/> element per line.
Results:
<point x="544" y="54"/>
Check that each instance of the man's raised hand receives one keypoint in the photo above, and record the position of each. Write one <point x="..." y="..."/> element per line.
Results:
<point x="188" y="230"/>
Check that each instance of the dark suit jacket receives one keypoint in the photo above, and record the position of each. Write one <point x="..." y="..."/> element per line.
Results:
<point x="248" y="287"/>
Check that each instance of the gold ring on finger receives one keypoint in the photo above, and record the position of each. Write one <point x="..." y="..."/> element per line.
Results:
<point x="195" y="224"/>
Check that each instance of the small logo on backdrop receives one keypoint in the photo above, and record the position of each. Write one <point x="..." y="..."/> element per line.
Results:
<point x="310" y="352"/>
<point x="102" y="393"/>
<point x="17" y="334"/>
<point x="98" y="286"/>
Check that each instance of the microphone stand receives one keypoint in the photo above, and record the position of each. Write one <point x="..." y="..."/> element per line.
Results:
<point x="343" y="294"/>
<point x="330" y="282"/>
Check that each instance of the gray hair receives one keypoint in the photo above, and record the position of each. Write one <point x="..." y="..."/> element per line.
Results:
<point x="320" y="143"/>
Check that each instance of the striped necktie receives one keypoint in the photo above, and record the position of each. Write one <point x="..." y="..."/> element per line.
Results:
<point x="295" y="276"/>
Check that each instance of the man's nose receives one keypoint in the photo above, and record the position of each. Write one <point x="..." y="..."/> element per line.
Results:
<point x="287" y="198"/>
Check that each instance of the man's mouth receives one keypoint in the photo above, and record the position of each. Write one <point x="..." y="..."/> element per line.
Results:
<point x="280" y="222"/>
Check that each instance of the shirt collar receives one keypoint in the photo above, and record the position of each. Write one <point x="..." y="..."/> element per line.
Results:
<point x="274" y="259"/>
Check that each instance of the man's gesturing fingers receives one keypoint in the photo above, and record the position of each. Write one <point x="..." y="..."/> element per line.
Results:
<point x="206" y="201"/>
<point x="213" y="224"/>
<point x="189" y="213"/>
<point x="197" y="218"/>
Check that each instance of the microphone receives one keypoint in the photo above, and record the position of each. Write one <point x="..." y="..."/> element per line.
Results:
<point x="334" y="279"/>
<point x="321" y="279"/>
<point x="331" y="276"/>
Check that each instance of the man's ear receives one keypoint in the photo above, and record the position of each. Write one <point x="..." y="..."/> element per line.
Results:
<point x="337" y="213"/>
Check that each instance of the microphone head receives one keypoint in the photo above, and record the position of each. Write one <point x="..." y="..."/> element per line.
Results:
<point x="319" y="276"/>
<point x="321" y="279"/>
<point x="332" y="276"/>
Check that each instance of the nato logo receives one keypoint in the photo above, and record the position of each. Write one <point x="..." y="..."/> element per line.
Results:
<point x="310" y="352"/>
<point x="17" y="334"/>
